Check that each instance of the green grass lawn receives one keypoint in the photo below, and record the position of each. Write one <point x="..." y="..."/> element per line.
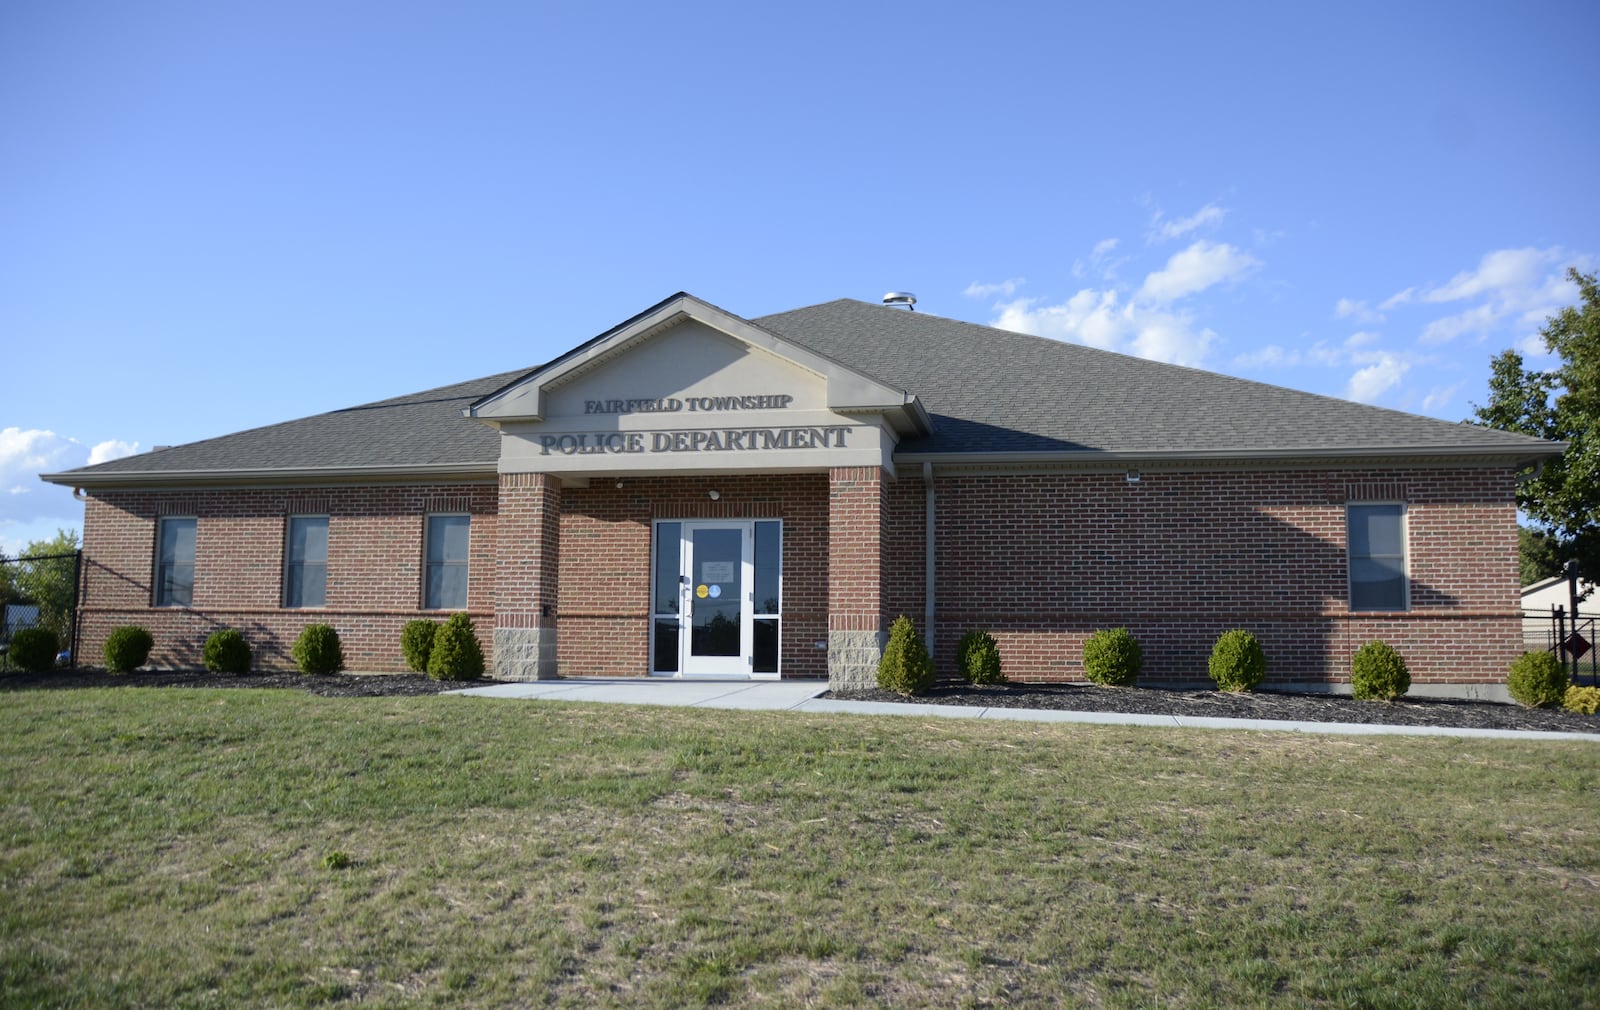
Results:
<point x="189" y="848"/>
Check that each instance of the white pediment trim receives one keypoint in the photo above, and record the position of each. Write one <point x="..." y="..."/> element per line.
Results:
<point x="849" y="391"/>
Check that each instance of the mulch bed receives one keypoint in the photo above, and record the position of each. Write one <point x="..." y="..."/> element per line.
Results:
<point x="1443" y="712"/>
<point x="334" y="685"/>
<point x="1292" y="707"/>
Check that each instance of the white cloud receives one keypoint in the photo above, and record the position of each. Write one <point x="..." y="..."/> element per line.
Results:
<point x="1478" y="320"/>
<point x="110" y="449"/>
<point x="1532" y="346"/>
<point x="1501" y="271"/>
<point x="1196" y="268"/>
<point x="1379" y="371"/>
<point x="1439" y="396"/>
<point x="27" y="452"/>
<point x="1101" y="319"/>
<point x="1384" y="373"/>
<point x="1397" y="299"/>
<point x="1269" y="356"/>
<point x="1100" y="261"/>
<point x="1350" y="308"/>
<point x="1007" y="287"/>
<point x="1164" y="230"/>
<point x="24" y="454"/>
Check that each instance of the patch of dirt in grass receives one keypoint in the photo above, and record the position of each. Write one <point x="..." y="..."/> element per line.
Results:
<point x="1284" y="706"/>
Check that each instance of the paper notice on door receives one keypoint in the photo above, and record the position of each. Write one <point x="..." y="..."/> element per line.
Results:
<point x="716" y="571"/>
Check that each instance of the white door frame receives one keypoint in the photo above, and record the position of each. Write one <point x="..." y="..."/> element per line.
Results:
<point x="692" y="584"/>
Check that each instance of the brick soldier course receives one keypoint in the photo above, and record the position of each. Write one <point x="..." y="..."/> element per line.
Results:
<point x="1057" y="490"/>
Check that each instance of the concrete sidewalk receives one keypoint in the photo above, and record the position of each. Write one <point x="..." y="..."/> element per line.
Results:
<point x="801" y="696"/>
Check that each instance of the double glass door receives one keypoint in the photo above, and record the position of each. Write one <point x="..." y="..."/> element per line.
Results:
<point x="717" y="596"/>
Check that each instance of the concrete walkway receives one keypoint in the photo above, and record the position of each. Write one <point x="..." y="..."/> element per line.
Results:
<point x="801" y="696"/>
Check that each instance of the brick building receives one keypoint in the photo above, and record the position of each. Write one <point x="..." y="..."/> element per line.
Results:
<point x="694" y="494"/>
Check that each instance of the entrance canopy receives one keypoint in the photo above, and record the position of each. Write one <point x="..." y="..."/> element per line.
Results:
<point x="688" y="387"/>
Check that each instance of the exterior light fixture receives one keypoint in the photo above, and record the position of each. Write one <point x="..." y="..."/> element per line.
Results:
<point x="714" y="493"/>
<point x="1133" y="477"/>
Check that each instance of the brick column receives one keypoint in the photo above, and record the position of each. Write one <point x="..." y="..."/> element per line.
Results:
<point x="526" y="568"/>
<point x="857" y="630"/>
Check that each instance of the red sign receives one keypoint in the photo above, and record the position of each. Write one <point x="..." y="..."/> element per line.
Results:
<point x="1577" y="645"/>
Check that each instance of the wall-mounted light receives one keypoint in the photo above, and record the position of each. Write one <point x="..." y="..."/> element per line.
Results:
<point x="714" y="493"/>
<point x="1133" y="477"/>
<point x="619" y="485"/>
<point x="80" y="494"/>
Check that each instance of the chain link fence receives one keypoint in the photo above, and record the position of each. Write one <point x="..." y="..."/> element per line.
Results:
<point x="41" y="592"/>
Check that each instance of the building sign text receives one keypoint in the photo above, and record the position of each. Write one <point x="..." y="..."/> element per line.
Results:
<point x="714" y="440"/>
<point x="672" y="404"/>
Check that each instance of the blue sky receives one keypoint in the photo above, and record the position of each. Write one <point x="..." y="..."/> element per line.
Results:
<point x="217" y="216"/>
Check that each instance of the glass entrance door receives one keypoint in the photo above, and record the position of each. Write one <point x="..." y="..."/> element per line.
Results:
<point x="717" y="588"/>
<point x="716" y="559"/>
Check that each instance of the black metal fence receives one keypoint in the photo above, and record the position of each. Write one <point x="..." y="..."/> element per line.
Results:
<point x="41" y="592"/>
<point x="1571" y="636"/>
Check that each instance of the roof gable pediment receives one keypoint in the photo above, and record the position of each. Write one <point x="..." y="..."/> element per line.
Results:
<point x="705" y="341"/>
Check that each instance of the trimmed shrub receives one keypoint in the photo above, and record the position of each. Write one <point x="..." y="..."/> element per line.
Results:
<point x="127" y="648"/>
<point x="1377" y="673"/>
<point x="317" y="650"/>
<point x="416" y="643"/>
<point x="1583" y="700"/>
<point x="1237" y="662"/>
<point x="226" y="651"/>
<point x="1537" y="679"/>
<point x="1112" y="657"/>
<point x="455" y="654"/>
<point x="905" y="667"/>
<point x="34" y="649"/>
<point x="978" y="655"/>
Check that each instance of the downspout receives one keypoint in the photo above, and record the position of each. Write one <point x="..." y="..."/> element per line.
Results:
<point x="928" y="556"/>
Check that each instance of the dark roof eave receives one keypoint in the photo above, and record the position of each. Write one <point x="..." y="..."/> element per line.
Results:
<point x="271" y="475"/>
<point x="1519" y="456"/>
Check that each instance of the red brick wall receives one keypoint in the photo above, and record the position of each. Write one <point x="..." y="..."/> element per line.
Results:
<point x="1043" y="561"/>
<point x="604" y="599"/>
<point x="375" y="557"/>
<point x="904" y="552"/>
<point x="525" y="579"/>
<point x="1039" y="560"/>
<point x="857" y="510"/>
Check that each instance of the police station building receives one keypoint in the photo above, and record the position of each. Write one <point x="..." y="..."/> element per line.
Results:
<point x="693" y="494"/>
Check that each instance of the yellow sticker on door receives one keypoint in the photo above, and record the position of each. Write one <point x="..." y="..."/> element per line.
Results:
<point x="702" y="591"/>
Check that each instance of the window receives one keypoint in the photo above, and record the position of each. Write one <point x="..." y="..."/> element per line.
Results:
<point x="175" y="563"/>
<point x="445" y="578"/>
<point x="1377" y="551"/>
<point x="768" y="592"/>
<point x="305" y="562"/>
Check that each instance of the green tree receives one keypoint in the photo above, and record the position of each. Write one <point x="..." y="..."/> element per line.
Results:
<point x="43" y="574"/>
<point x="1562" y="404"/>
<point x="1539" y="554"/>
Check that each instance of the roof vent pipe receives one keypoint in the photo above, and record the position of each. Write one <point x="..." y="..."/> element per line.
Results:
<point x="895" y="299"/>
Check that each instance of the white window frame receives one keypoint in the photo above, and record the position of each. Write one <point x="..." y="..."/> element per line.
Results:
<point x="158" y="595"/>
<point x="290" y="565"/>
<point x="427" y="565"/>
<point x="1405" y="558"/>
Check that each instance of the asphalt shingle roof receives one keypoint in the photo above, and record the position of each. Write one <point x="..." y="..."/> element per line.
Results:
<point x="420" y="429"/>
<point x="987" y="390"/>
<point x="993" y="390"/>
